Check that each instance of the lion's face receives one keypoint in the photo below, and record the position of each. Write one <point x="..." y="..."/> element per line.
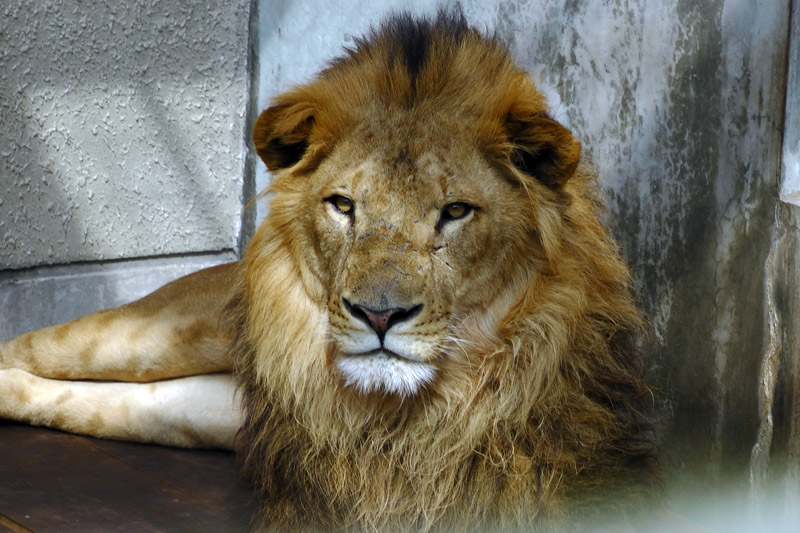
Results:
<point x="413" y="206"/>
<point x="409" y="238"/>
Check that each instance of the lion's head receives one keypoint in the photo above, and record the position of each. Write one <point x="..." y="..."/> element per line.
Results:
<point x="433" y="325"/>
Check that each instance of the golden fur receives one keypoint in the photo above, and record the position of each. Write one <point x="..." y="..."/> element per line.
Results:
<point x="529" y="405"/>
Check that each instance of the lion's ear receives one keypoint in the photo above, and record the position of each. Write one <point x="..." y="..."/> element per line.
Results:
<point x="543" y="148"/>
<point x="281" y="134"/>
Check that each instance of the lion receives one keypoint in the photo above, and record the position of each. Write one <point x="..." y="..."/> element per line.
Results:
<point x="431" y="329"/>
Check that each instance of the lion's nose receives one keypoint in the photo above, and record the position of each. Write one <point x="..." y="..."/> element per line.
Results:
<point x="381" y="320"/>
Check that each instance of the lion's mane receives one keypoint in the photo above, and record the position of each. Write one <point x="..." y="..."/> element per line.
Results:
<point x="546" y="418"/>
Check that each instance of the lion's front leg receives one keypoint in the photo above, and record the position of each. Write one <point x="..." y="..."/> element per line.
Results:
<point x="132" y="354"/>
<point x="175" y="331"/>
<point x="193" y="412"/>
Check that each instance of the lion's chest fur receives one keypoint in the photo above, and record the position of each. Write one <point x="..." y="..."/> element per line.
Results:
<point x="404" y="466"/>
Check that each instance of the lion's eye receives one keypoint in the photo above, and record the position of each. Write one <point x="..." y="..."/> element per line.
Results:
<point x="341" y="203"/>
<point x="456" y="210"/>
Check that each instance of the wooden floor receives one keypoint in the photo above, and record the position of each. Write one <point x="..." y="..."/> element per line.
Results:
<point x="54" y="481"/>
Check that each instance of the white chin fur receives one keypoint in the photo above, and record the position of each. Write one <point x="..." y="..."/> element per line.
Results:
<point x="381" y="372"/>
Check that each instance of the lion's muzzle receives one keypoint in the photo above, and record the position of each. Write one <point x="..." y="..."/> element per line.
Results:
<point x="381" y="349"/>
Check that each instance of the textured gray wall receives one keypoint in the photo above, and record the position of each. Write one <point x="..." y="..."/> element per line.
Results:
<point x="680" y="105"/>
<point x="122" y="129"/>
<point x="124" y="137"/>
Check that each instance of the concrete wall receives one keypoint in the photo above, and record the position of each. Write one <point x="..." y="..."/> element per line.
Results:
<point x="680" y="104"/>
<point x="123" y="138"/>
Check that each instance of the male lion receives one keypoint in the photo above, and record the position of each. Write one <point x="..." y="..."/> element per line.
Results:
<point x="432" y="329"/>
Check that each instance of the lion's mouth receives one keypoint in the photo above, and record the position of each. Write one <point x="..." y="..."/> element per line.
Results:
<point x="377" y="352"/>
<point x="383" y="370"/>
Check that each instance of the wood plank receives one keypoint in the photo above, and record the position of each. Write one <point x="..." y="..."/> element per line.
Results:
<point x="210" y="476"/>
<point x="54" y="481"/>
<point x="9" y="526"/>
